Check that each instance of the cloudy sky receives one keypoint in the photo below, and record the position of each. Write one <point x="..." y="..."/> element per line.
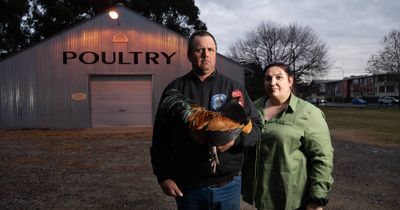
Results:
<point x="352" y="29"/>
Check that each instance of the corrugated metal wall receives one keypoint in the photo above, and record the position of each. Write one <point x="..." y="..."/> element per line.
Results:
<point x="36" y="86"/>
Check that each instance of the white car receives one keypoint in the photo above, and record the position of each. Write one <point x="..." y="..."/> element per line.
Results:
<point x="388" y="100"/>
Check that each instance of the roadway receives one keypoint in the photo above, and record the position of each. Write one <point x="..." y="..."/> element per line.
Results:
<point x="369" y="105"/>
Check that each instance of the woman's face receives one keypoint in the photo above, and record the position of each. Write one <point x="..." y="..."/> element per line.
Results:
<point x="277" y="83"/>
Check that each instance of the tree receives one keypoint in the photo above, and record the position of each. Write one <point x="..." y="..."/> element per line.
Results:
<point x="12" y="36"/>
<point x="293" y="44"/>
<point x="26" y="21"/>
<point x="387" y="60"/>
<point x="179" y="15"/>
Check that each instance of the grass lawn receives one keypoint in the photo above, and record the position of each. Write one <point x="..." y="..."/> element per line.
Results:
<point x="372" y="125"/>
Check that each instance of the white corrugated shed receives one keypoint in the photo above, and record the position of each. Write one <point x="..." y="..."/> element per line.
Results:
<point x="51" y="84"/>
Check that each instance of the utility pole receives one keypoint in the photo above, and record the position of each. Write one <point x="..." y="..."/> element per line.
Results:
<point x="343" y="82"/>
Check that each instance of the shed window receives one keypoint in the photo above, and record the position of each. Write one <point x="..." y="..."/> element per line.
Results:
<point x="120" y="38"/>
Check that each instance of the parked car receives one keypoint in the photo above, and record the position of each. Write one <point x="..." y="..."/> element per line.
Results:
<point x="358" y="101"/>
<point x="388" y="100"/>
<point x="318" y="102"/>
<point x="323" y="102"/>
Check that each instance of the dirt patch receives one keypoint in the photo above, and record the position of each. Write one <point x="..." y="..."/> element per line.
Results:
<point x="359" y="136"/>
<point x="78" y="169"/>
<point x="366" y="176"/>
<point x="110" y="169"/>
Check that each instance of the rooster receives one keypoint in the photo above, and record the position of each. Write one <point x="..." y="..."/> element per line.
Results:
<point x="211" y="127"/>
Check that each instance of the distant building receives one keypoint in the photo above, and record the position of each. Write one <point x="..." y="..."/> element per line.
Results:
<point x="369" y="87"/>
<point x="386" y="85"/>
<point x="334" y="90"/>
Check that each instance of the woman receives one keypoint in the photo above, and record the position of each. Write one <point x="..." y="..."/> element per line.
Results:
<point x="290" y="168"/>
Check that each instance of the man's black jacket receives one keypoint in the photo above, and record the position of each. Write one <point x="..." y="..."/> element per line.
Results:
<point x="175" y="156"/>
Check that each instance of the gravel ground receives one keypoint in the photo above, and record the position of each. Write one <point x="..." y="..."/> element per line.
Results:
<point x="110" y="169"/>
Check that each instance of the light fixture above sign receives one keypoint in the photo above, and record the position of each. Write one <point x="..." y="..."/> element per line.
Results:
<point x="114" y="15"/>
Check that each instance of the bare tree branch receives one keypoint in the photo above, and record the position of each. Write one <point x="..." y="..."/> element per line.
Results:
<point x="387" y="60"/>
<point x="296" y="45"/>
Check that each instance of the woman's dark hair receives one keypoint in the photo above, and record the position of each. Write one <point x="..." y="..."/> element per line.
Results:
<point x="199" y="33"/>
<point x="282" y="65"/>
<point x="285" y="68"/>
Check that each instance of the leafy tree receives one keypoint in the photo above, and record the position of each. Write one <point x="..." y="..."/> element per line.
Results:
<point x="50" y="17"/>
<point x="179" y="15"/>
<point x="26" y="21"/>
<point x="12" y="36"/>
<point x="387" y="60"/>
<point x="293" y="44"/>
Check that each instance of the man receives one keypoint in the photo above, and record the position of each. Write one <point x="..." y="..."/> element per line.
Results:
<point x="182" y="166"/>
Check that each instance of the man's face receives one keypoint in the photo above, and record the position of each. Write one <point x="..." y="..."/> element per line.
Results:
<point x="203" y="55"/>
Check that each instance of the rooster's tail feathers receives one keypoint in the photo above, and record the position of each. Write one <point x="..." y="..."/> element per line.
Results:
<point x="175" y="105"/>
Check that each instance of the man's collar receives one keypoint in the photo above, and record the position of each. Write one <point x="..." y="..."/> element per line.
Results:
<point x="212" y="75"/>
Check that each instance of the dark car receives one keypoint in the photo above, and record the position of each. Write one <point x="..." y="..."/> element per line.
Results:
<point x="358" y="101"/>
<point x="318" y="102"/>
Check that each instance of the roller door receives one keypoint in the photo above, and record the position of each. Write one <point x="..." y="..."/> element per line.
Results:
<point x="121" y="101"/>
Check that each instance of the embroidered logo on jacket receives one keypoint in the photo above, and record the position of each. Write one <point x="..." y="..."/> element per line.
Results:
<point x="217" y="101"/>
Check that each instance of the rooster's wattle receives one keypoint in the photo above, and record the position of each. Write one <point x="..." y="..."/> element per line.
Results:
<point x="211" y="127"/>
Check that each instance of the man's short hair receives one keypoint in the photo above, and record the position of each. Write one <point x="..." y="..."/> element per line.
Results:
<point x="198" y="33"/>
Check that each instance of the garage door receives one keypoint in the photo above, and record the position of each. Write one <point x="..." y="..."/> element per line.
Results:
<point x="121" y="101"/>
